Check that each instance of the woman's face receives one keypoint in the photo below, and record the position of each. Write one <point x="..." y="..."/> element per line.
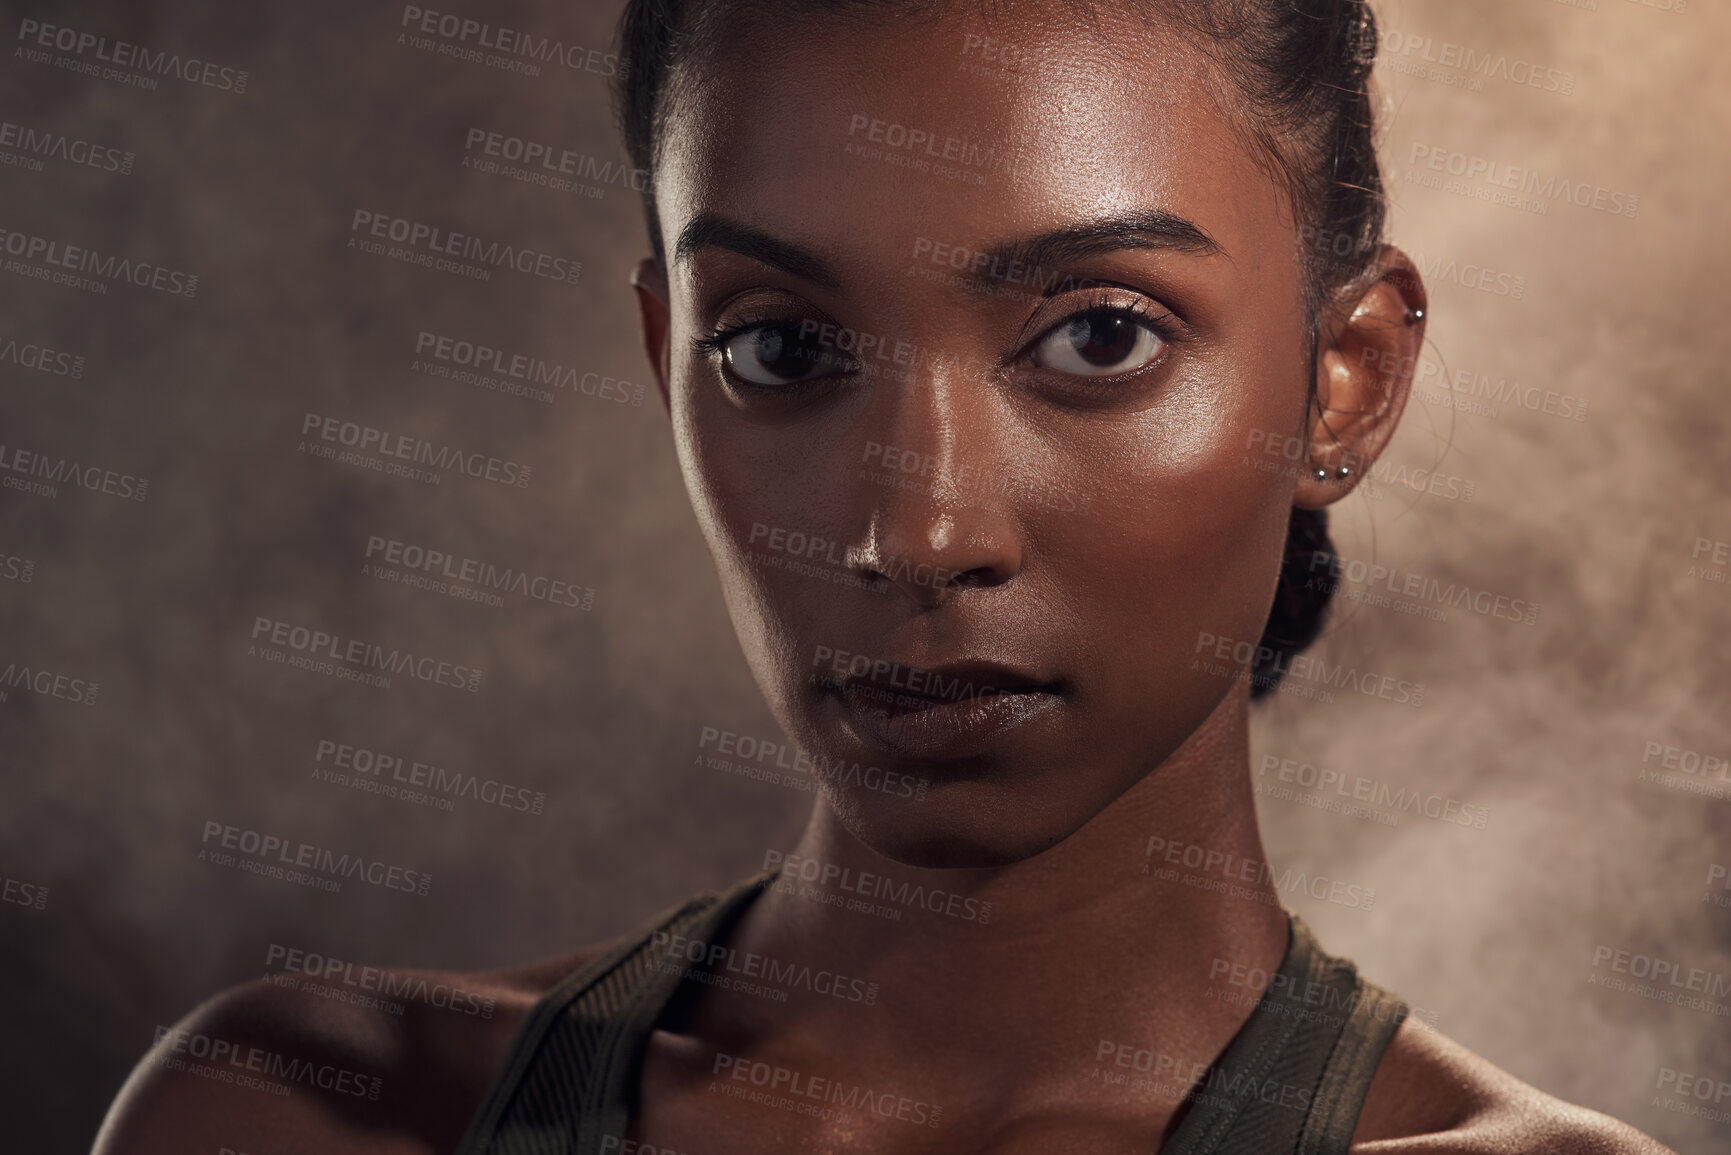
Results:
<point x="974" y="336"/>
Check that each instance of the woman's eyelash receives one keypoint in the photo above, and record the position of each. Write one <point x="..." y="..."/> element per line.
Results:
<point x="713" y="344"/>
<point x="1165" y="324"/>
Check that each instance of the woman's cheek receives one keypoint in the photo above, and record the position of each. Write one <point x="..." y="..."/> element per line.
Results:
<point x="1194" y="535"/>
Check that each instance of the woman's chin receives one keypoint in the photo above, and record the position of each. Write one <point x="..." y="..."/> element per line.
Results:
<point x="952" y="827"/>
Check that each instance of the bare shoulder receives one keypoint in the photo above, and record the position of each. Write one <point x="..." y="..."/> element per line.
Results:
<point x="1432" y="1096"/>
<point x="363" y="1059"/>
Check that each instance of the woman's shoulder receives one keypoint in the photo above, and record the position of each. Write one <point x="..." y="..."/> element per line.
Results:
<point x="335" y="1056"/>
<point x="1431" y="1095"/>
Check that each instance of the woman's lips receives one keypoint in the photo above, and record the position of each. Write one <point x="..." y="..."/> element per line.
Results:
<point x="941" y="713"/>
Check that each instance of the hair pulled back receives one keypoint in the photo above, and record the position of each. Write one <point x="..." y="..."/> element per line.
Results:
<point x="1302" y="72"/>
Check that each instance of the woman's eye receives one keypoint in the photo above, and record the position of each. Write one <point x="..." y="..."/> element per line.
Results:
<point x="1100" y="343"/>
<point x="779" y="355"/>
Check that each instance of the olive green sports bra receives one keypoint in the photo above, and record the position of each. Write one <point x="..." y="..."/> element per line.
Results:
<point x="1292" y="1080"/>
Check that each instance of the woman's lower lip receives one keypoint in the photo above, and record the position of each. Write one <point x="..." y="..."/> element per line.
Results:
<point x="916" y="729"/>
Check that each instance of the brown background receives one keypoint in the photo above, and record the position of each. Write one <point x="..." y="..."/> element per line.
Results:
<point x="1544" y="726"/>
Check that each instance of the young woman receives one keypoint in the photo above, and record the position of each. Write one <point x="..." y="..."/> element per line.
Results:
<point x="1004" y="306"/>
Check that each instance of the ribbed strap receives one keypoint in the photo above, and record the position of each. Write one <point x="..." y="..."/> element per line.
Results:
<point x="1291" y="1082"/>
<point x="1346" y="1080"/>
<point x="562" y="1087"/>
<point x="1295" y="1076"/>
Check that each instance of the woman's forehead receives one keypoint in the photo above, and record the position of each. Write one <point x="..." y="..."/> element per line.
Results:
<point x="960" y="129"/>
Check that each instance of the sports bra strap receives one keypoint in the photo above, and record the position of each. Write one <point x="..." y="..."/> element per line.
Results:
<point x="564" y="1085"/>
<point x="1295" y="1076"/>
<point x="1291" y="1082"/>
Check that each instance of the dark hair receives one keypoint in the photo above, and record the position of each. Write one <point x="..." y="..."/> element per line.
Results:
<point x="1302" y="67"/>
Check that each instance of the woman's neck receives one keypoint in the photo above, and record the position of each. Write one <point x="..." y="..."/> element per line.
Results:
<point x="1038" y="970"/>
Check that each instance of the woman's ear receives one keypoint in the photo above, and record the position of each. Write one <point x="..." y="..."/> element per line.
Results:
<point x="656" y="318"/>
<point x="1365" y="355"/>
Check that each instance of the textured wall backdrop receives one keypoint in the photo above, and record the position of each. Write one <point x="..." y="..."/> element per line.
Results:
<point x="1566" y="447"/>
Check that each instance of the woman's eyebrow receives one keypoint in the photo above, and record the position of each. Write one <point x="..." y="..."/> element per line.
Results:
<point x="1009" y="260"/>
<point x="1147" y="229"/>
<point x="708" y="230"/>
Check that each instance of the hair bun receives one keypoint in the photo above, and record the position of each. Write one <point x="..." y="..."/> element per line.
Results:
<point x="1307" y="584"/>
<point x="1362" y="40"/>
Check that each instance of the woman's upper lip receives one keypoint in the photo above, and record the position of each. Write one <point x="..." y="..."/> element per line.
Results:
<point x="948" y="682"/>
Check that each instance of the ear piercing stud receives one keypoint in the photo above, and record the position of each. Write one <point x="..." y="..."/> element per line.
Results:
<point x="1341" y="473"/>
